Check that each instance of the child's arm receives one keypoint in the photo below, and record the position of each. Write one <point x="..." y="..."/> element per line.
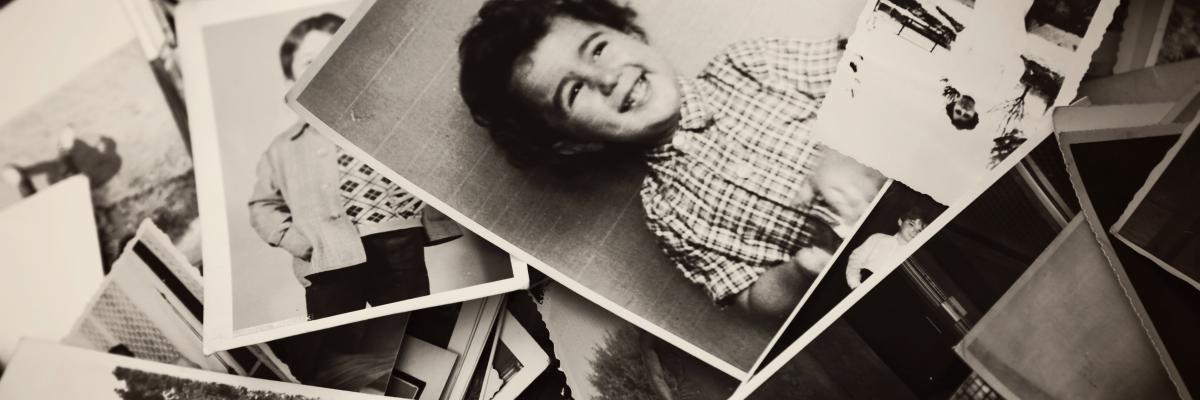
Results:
<point x="271" y="217"/>
<point x="790" y="64"/>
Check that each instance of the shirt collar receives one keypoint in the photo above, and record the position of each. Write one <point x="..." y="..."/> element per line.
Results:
<point x="694" y="116"/>
<point x="299" y="128"/>
<point x="693" y="112"/>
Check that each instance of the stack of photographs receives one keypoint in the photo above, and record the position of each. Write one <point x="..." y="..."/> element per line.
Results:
<point x="607" y="199"/>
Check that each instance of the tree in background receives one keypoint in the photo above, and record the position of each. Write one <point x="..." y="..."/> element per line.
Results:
<point x="142" y="385"/>
<point x="628" y="367"/>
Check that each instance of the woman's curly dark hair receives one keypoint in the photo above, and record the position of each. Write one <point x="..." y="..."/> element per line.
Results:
<point x="503" y="33"/>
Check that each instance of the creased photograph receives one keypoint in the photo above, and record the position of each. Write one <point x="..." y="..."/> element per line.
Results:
<point x="39" y="367"/>
<point x="300" y="234"/>
<point x="663" y="167"/>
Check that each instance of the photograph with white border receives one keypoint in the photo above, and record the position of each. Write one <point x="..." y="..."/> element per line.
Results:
<point x="1160" y="221"/>
<point x="898" y="338"/>
<point x="1107" y="167"/>
<point x="39" y="368"/>
<point x="552" y="343"/>
<point x="615" y="232"/>
<point x="937" y="93"/>
<point x="301" y="236"/>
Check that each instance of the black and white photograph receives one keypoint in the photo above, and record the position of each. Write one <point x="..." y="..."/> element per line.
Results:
<point x="954" y="88"/>
<point x="1033" y="334"/>
<point x="443" y="348"/>
<point x="1160" y="223"/>
<point x="880" y="244"/>
<point x="1179" y="35"/>
<point x="150" y="307"/>
<point x="301" y="234"/>
<point x="1141" y="26"/>
<point x="91" y="106"/>
<point x="60" y="282"/>
<point x="1107" y="167"/>
<point x="552" y="343"/>
<point x="39" y="368"/>
<point x="655" y="199"/>
<point x="899" y="339"/>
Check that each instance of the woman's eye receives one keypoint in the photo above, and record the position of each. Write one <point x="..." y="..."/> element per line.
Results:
<point x="599" y="49"/>
<point x="574" y="93"/>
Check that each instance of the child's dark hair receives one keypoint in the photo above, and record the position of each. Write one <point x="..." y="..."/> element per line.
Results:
<point x="916" y="212"/>
<point x="326" y="22"/>
<point x="962" y="124"/>
<point x="503" y="33"/>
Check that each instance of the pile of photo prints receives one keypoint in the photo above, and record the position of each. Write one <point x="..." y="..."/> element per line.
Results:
<point x="600" y="199"/>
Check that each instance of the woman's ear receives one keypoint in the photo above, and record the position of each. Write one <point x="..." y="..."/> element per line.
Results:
<point x="571" y="147"/>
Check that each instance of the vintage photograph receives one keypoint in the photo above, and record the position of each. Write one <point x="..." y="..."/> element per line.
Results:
<point x="898" y="339"/>
<point x="100" y="113"/>
<point x="1159" y="222"/>
<point x="552" y="343"/>
<point x="301" y="234"/>
<point x="59" y="282"/>
<point x="664" y="168"/>
<point x="1049" y="322"/>
<point x="1179" y="37"/>
<point x="39" y="369"/>
<point x="151" y="307"/>
<point x="953" y="88"/>
<point x="1107" y="167"/>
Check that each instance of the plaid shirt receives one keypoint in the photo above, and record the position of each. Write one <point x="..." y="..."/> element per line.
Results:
<point x="722" y="195"/>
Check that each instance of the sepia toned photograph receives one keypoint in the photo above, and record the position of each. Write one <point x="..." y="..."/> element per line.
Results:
<point x="39" y="367"/>
<point x="302" y="235"/>
<point x="98" y="112"/>
<point x="984" y="273"/>
<point x="954" y="88"/>
<point x="1159" y="222"/>
<point x="552" y="343"/>
<point x="675" y="212"/>
<point x="1107" y="168"/>
<point x="1179" y="37"/>
<point x="61" y="282"/>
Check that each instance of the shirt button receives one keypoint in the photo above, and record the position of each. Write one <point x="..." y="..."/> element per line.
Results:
<point x="322" y="152"/>
<point x="335" y="215"/>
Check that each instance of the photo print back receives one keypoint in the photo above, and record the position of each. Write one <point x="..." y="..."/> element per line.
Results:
<point x="302" y="235"/>
<point x="709" y="258"/>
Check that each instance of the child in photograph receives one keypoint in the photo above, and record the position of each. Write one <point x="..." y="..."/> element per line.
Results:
<point x="356" y="237"/>
<point x="741" y="197"/>
<point x="874" y="255"/>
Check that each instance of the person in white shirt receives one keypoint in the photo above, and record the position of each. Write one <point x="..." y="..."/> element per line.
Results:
<point x="874" y="254"/>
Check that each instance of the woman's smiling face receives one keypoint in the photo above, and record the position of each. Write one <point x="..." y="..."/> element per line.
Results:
<point x="595" y="83"/>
